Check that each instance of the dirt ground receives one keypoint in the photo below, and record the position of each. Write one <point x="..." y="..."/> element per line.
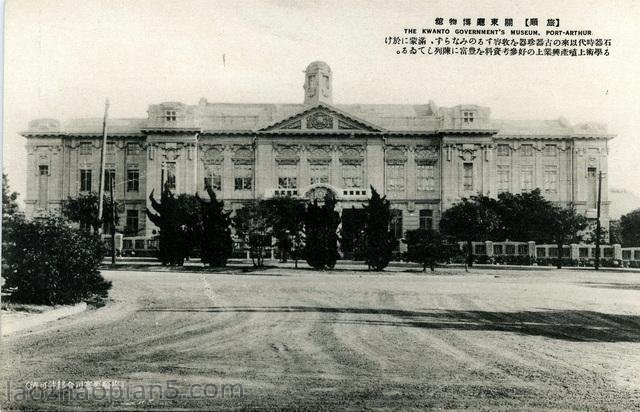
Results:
<point x="484" y="340"/>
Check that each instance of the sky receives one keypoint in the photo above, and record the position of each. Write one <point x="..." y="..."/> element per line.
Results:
<point x="63" y="58"/>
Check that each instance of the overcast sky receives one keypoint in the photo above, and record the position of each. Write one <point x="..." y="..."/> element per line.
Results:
<point x="63" y="58"/>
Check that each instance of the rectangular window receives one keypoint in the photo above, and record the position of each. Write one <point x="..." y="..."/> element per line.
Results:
<point x="133" y="148"/>
<point x="319" y="173"/>
<point x="550" y="150"/>
<point x="468" y="176"/>
<point x="551" y="179"/>
<point x="352" y="175"/>
<point x="503" y="150"/>
<point x="526" y="178"/>
<point x="109" y="179"/>
<point x="133" y="180"/>
<point x="213" y="177"/>
<point x="85" y="148"/>
<point x="467" y="117"/>
<point x="111" y="148"/>
<point x="170" y="115"/>
<point x="287" y="176"/>
<point x="396" y="223"/>
<point x="169" y="175"/>
<point x="243" y="178"/>
<point x="43" y="186"/>
<point x="591" y="173"/>
<point x="504" y="178"/>
<point x="85" y="180"/>
<point x="395" y="177"/>
<point x="426" y="177"/>
<point x="426" y="219"/>
<point x="527" y="150"/>
<point x="132" y="221"/>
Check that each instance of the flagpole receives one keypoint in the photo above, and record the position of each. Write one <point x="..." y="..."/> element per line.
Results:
<point x="102" y="164"/>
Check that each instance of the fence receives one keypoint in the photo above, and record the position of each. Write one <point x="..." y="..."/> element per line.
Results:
<point x="631" y="256"/>
<point x="505" y="251"/>
<point x="143" y="246"/>
<point x="579" y="252"/>
<point x="138" y="246"/>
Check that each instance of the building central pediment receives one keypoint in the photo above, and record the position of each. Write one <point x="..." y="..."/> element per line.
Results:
<point x="322" y="118"/>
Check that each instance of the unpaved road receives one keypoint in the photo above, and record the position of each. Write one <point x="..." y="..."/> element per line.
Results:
<point x="484" y="340"/>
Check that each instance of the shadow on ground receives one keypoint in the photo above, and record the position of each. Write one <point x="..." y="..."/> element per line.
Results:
<point x="625" y="286"/>
<point x="569" y="325"/>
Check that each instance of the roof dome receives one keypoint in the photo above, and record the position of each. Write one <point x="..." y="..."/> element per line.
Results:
<point x="318" y="65"/>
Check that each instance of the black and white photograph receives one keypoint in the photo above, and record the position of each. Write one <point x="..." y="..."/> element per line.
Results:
<point x="320" y="205"/>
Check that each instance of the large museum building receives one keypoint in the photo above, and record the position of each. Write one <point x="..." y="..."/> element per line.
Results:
<point x="422" y="157"/>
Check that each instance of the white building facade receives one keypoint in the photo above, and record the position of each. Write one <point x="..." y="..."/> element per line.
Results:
<point x="422" y="157"/>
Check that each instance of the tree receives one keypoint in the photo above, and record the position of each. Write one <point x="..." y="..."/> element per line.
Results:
<point x="565" y="225"/>
<point x="176" y="223"/>
<point x="321" y="225"/>
<point x="48" y="262"/>
<point x="189" y="215"/>
<point x="285" y="217"/>
<point x="10" y="211"/>
<point x="426" y="246"/>
<point x="352" y="233"/>
<point x="9" y="204"/>
<point x="251" y="224"/>
<point x="84" y="210"/>
<point x="522" y="217"/>
<point x="470" y="220"/>
<point x="379" y="240"/>
<point x="215" y="240"/>
<point x="630" y="228"/>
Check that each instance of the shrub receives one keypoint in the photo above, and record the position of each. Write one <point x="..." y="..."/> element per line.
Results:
<point x="179" y="222"/>
<point x="321" y="225"/>
<point x="215" y="240"/>
<point x="48" y="262"/>
<point x="426" y="247"/>
<point x="379" y="240"/>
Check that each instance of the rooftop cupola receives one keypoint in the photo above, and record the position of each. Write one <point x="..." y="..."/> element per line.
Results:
<point x="318" y="84"/>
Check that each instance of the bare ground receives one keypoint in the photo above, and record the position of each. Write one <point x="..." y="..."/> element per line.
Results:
<point x="499" y="340"/>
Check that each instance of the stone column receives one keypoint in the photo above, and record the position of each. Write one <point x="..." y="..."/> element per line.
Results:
<point x="228" y="172"/>
<point x="532" y="249"/>
<point x="336" y="170"/>
<point x="489" y="248"/>
<point x="410" y="174"/>
<point x="375" y="166"/>
<point x="575" y="252"/>
<point x="303" y="171"/>
<point x="617" y="251"/>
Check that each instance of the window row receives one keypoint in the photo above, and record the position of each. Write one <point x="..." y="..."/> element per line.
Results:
<point x="395" y="225"/>
<point x="425" y="177"/>
<point x="86" y="148"/>
<point x="242" y="179"/>
<point x="526" y="150"/>
<point x="527" y="178"/>
<point x="132" y="182"/>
